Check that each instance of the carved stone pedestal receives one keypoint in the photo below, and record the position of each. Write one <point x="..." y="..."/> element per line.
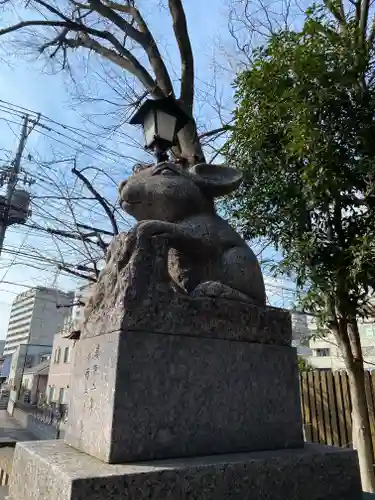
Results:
<point x="51" y="470"/>
<point x="145" y="396"/>
<point x="156" y="415"/>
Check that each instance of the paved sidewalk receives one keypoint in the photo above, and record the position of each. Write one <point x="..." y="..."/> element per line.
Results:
<point x="10" y="430"/>
<point x="10" y="433"/>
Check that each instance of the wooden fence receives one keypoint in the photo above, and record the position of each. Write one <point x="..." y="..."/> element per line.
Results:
<point x="326" y="407"/>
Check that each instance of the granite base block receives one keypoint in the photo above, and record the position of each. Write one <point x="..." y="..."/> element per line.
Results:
<point x="51" y="470"/>
<point x="145" y="396"/>
<point x="210" y="317"/>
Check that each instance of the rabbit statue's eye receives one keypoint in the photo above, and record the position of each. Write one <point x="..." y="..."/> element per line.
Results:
<point x="167" y="172"/>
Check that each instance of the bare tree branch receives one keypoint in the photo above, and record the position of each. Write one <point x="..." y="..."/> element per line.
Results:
<point x="119" y="21"/>
<point x="100" y="198"/>
<point x="337" y="9"/>
<point x="25" y="24"/>
<point x="365" y="6"/>
<point x="123" y="58"/>
<point x="126" y="60"/>
<point x="122" y="22"/>
<point x="216" y="131"/>
<point x="53" y="10"/>
<point x="145" y="39"/>
<point x="76" y="273"/>
<point x="186" y="53"/>
<point x="81" y="5"/>
<point x="61" y="232"/>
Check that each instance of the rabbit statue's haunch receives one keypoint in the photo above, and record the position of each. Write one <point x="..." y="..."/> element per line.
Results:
<point x="206" y="257"/>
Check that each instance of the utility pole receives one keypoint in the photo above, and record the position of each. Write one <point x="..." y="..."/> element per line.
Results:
<point x="12" y="175"/>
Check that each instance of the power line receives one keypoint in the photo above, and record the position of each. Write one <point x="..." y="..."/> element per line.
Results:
<point x="104" y="149"/>
<point x="84" y="133"/>
<point x="15" y="257"/>
<point x="5" y="221"/>
<point x="86" y="206"/>
<point x="84" y="150"/>
<point x="51" y="129"/>
<point x="52" y="262"/>
<point x="98" y="147"/>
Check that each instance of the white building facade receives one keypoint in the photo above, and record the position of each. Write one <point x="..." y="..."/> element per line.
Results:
<point x="36" y="316"/>
<point x="80" y="299"/>
<point x="301" y="330"/>
<point x="63" y="350"/>
<point x="60" y="369"/>
<point x="326" y="355"/>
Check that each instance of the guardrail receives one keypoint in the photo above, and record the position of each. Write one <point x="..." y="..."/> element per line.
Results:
<point x="53" y="415"/>
<point x="44" y="422"/>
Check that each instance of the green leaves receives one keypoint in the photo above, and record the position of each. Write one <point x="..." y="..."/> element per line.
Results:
<point x="303" y="365"/>
<point x="304" y="139"/>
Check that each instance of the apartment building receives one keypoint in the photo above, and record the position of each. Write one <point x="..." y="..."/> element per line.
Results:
<point x="59" y="370"/>
<point x="81" y="296"/>
<point x="326" y="355"/>
<point x="25" y="357"/>
<point x="36" y="316"/>
<point x="301" y="331"/>
<point x="63" y="350"/>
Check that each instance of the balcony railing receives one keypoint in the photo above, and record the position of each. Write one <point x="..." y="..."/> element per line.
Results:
<point x="53" y="414"/>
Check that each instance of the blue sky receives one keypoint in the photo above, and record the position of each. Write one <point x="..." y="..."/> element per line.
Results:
<point x="27" y="81"/>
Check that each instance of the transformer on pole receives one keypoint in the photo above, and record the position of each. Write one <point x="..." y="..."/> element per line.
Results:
<point x="15" y="204"/>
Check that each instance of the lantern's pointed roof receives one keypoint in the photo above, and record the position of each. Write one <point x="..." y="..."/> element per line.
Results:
<point x="166" y="104"/>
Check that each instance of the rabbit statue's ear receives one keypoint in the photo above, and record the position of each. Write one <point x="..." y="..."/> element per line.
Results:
<point x="216" y="180"/>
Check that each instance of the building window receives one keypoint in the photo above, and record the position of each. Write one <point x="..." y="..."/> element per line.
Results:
<point x="367" y="330"/>
<point x="368" y="351"/>
<point x="322" y="352"/>
<point x="61" y="395"/>
<point x="51" y="395"/>
<point x="66" y="355"/>
<point x="57" y="355"/>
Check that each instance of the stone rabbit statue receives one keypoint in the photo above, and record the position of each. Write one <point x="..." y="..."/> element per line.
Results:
<point x="206" y="256"/>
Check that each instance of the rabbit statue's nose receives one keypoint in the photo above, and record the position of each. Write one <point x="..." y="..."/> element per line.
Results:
<point x="132" y="196"/>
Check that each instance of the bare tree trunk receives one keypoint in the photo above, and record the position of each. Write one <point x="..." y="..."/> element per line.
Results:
<point x="362" y="441"/>
<point x="348" y="339"/>
<point x="190" y="145"/>
<point x="361" y="431"/>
